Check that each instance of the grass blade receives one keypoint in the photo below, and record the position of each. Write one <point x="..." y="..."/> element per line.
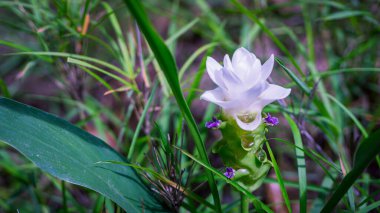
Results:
<point x="4" y="89"/>
<point x="300" y="163"/>
<point x="279" y="178"/>
<point x="141" y="121"/>
<point x="366" y="152"/>
<point x="168" y="66"/>
<point x="85" y="64"/>
<point x="349" y="113"/>
<point x="300" y="83"/>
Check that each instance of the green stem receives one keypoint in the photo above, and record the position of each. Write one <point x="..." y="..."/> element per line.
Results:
<point x="244" y="203"/>
<point x="64" y="200"/>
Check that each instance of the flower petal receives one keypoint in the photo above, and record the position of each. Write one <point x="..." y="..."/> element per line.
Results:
<point x="254" y="92"/>
<point x="273" y="93"/>
<point x="214" y="69"/>
<point x="267" y="68"/>
<point x="227" y="63"/>
<point x="231" y="81"/>
<point x="246" y="65"/>
<point x="249" y="126"/>
<point x="216" y="96"/>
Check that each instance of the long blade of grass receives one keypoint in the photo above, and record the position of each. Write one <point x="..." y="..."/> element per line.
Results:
<point x="370" y="207"/>
<point x="198" y="77"/>
<point x="317" y="158"/>
<point x="168" y="66"/>
<point x="191" y="59"/>
<point x="85" y="64"/>
<point x="344" y="14"/>
<point x="291" y="184"/>
<point x="76" y="56"/>
<point x="301" y="164"/>
<point x="279" y="178"/>
<point x="299" y="82"/>
<point x="122" y="46"/>
<point x="98" y="78"/>
<point x="349" y="113"/>
<point x="21" y="48"/>
<point x="366" y="152"/>
<point x="4" y="89"/>
<point x="141" y="121"/>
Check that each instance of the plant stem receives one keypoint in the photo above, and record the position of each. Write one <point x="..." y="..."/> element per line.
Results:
<point x="244" y="203"/>
<point x="64" y="200"/>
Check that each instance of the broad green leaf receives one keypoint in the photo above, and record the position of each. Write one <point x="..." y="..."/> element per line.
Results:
<point x="367" y="151"/>
<point x="71" y="154"/>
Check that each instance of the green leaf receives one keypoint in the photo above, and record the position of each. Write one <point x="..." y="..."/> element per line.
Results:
<point x="4" y="89"/>
<point x="280" y="180"/>
<point x="344" y="14"/>
<point x="141" y="121"/>
<point x="166" y="61"/>
<point x="367" y="151"/>
<point x="300" y="83"/>
<point x="301" y="164"/>
<point x="351" y="115"/>
<point x="70" y="154"/>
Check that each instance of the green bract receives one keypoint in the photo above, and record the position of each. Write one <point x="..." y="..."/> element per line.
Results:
<point x="242" y="150"/>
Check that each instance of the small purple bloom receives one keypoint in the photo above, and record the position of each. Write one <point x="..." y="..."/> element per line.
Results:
<point x="230" y="173"/>
<point x="214" y="123"/>
<point x="271" y="121"/>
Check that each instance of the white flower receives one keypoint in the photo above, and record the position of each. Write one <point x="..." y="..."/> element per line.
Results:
<point x="243" y="90"/>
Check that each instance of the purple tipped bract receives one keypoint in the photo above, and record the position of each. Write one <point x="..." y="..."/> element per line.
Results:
<point x="214" y="123"/>
<point x="271" y="121"/>
<point x="230" y="173"/>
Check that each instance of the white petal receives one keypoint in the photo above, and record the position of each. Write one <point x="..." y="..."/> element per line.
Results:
<point x="273" y="93"/>
<point x="245" y="64"/>
<point x="231" y="81"/>
<point x="213" y="69"/>
<point x="267" y="68"/>
<point x="254" y="75"/>
<point x="249" y="126"/>
<point x="227" y="63"/>
<point x="254" y="92"/>
<point x="217" y="96"/>
<point x="239" y="55"/>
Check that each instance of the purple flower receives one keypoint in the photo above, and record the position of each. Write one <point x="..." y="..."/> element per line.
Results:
<point x="230" y="173"/>
<point x="214" y="123"/>
<point x="271" y="121"/>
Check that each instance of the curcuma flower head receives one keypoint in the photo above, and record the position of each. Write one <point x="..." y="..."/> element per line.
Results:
<point x="243" y="90"/>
